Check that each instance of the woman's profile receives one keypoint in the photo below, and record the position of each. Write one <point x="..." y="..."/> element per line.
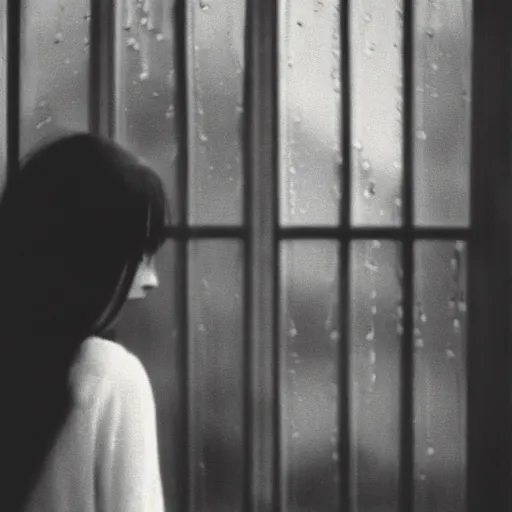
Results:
<point x="79" y="226"/>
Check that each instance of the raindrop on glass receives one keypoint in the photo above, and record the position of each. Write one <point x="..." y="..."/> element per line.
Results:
<point x="369" y="191"/>
<point x="450" y="354"/>
<point x="421" y="135"/>
<point x="58" y="38"/>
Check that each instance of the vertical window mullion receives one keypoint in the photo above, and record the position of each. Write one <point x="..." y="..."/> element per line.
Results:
<point x="102" y="67"/>
<point x="184" y="120"/>
<point x="345" y="438"/>
<point x="489" y="422"/>
<point x="406" y="453"/>
<point x="261" y="162"/>
<point x="13" y="86"/>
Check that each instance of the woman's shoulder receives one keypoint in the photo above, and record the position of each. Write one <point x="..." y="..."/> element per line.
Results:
<point x="110" y="363"/>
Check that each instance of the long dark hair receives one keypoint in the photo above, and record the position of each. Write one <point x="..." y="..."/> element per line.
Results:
<point x="75" y="222"/>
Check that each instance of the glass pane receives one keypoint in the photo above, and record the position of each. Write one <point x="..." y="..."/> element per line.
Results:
<point x="217" y="97"/>
<point x="3" y="90"/>
<point x="216" y="378"/>
<point x="310" y="112"/>
<point x="146" y="88"/>
<point x="149" y="328"/>
<point x="443" y="90"/>
<point x="376" y="333"/>
<point x="440" y="376"/>
<point x="309" y="377"/>
<point x="54" y="68"/>
<point x="376" y="85"/>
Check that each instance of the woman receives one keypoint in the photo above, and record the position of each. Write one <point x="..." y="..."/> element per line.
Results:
<point x="79" y="226"/>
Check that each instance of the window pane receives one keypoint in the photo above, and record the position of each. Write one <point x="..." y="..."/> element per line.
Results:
<point x="218" y="32"/>
<point x="443" y="91"/>
<point x="149" y="328"/>
<point x="440" y="376"/>
<point x="376" y="333"/>
<point x="309" y="376"/>
<point x="376" y="82"/>
<point x="146" y="88"/>
<point x="216" y="378"/>
<point x="310" y="112"/>
<point x="3" y="91"/>
<point x="54" y="68"/>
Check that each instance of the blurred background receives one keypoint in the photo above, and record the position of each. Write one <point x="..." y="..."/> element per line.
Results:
<point x="54" y="95"/>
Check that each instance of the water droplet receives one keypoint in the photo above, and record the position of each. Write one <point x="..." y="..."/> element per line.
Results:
<point x="462" y="306"/>
<point x="239" y="109"/>
<point x="203" y="137"/>
<point x="370" y="336"/>
<point x="451" y="302"/>
<point x="419" y="343"/>
<point x="373" y="357"/>
<point x="399" y="328"/>
<point x="453" y="264"/>
<point x="430" y="32"/>
<point x="423" y="317"/>
<point x="44" y="122"/>
<point x="422" y="475"/>
<point x="434" y="94"/>
<point x="300" y="23"/>
<point x="293" y="170"/>
<point x="367" y="17"/>
<point x="369" y="191"/>
<point x="374" y="378"/>
<point x="86" y="40"/>
<point x="204" y="5"/>
<point x="365" y="164"/>
<point x="58" y="38"/>
<point x="374" y="309"/>
<point x="371" y="265"/>
<point x="373" y="294"/>
<point x="456" y="324"/>
<point x="434" y="66"/>
<point x="370" y="49"/>
<point x="159" y="36"/>
<point x="67" y="60"/>
<point x="291" y="371"/>
<point x="400" y="311"/>
<point x="459" y="246"/>
<point x="201" y="327"/>
<point x="295" y="435"/>
<point x="450" y="354"/>
<point x="293" y="332"/>
<point x="144" y="21"/>
<point x="430" y="451"/>
<point x="421" y="135"/>
<point x="334" y="335"/>
<point x="144" y="75"/>
<point x="132" y="43"/>
<point x="155" y="94"/>
<point x="357" y="145"/>
<point x="335" y="457"/>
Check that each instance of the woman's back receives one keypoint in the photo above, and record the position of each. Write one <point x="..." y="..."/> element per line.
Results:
<point x="105" y="458"/>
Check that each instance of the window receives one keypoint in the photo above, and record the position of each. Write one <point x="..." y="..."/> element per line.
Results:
<point x="332" y="330"/>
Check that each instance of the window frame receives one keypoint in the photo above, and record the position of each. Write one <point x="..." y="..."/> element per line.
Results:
<point x="489" y="368"/>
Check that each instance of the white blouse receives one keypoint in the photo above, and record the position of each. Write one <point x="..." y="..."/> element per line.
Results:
<point x="106" y="456"/>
